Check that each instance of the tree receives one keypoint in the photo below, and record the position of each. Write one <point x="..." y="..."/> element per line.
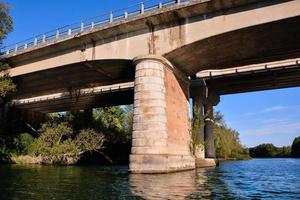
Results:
<point x="296" y="148"/>
<point x="227" y="142"/>
<point x="58" y="144"/>
<point x="6" y="25"/>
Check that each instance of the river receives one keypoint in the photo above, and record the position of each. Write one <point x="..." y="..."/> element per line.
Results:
<point x="253" y="179"/>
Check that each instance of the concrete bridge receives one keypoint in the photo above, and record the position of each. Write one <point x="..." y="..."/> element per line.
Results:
<point x="158" y="57"/>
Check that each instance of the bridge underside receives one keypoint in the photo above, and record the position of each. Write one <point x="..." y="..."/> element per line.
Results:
<point x="268" y="42"/>
<point x="258" y="44"/>
<point x="265" y="76"/>
<point x="71" y="77"/>
<point x="84" y="101"/>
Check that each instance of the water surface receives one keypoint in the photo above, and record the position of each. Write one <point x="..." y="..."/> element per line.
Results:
<point x="254" y="179"/>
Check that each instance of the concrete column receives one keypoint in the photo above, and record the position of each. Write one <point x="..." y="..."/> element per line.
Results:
<point x="206" y="97"/>
<point x="161" y="137"/>
<point x="209" y="133"/>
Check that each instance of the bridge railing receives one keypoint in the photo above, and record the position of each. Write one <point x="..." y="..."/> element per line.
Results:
<point x="138" y="9"/>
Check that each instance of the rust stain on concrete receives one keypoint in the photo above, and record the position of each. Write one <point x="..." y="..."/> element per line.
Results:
<point x="153" y="38"/>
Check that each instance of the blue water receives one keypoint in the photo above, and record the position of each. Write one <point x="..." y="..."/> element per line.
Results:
<point x="254" y="179"/>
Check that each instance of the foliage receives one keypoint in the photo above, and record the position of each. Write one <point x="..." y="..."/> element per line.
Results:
<point x="197" y="127"/>
<point x="58" y="143"/>
<point x="23" y="143"/>
<point x="6" y="24"/>
<point x="89" y="140"/>
<point x="6" y="84"/>
<point x="115" y="122"/>
<point x="296" y="147"/>
<point x="269" y="151"/>
<point x="227" y="142"/>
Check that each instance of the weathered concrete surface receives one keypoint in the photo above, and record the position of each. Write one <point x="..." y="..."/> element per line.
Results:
<point x="205" y="98"/>
<point x="202" y="163"/>
<point x="161" y="138"/>
<point x="186" y="35"/>
<point x="77" y="99"/>
<point x="257" y="77"/>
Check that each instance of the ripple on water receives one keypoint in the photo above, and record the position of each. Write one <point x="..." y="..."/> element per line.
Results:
<point x="254" y="179"/>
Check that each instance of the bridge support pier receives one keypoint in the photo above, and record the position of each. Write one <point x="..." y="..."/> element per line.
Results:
<point x="204" y="99"/>
<point x="161" y="137"/>
<point x="18" y="121"/>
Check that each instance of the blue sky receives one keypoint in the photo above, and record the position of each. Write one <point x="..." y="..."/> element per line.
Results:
<point x="260" y="117"/>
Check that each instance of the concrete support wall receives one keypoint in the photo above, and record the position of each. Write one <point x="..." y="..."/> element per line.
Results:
<point x="161" y="137"/>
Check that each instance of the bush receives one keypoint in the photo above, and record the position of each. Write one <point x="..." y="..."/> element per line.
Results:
<point x="23" y="143"/>
<point x="58" y="144"/>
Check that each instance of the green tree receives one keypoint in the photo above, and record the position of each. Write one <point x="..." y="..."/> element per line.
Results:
<point x="227" y="142"/>
<point x="23" y="143"/>
<point x="6" y="25"/>
<point x="115" y="122"/>
<point x="58" y="144"/>
<point x="296" y="147"/>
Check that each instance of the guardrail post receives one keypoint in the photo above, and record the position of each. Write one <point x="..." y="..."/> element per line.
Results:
<point x="126" y="15"/>
<point x="160" y="5"/>
<point x="57" y="34"/>
<point x="70" y="32"/>
<point x="92" y="25"/>
<point x="142" y="8"/>
<point x="178" y="1"/>
<point x="44" y="38"/>
<point x="25" y="46"/>
<point x="35" y="42"/>
<point x="7" y="52"/>
<point x="16" y="48"/>
<point x="81" y="26"/>
<point x="111" y="17"/>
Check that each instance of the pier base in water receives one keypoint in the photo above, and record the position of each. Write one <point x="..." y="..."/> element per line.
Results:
<point x="206" y="162"/>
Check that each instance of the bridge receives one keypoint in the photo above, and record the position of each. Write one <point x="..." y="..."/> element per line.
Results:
<point x="157" y="56"/>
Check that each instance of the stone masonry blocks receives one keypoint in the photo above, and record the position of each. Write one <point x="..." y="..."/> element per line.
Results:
<point x="152" y="151"/>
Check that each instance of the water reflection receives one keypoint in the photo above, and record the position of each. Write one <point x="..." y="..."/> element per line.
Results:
<point x="254" y="179"/>
<point x="195" y="184"/>
<point x="163" y="186"/>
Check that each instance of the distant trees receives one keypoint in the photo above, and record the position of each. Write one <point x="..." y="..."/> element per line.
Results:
<point x="270" y="151"/>
<point x="296" y="148"/>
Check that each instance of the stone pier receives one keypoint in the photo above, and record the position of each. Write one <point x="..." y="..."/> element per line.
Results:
<point x="161" y="128"/>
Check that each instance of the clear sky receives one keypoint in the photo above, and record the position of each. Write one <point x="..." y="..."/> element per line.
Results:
<point x="260" y="117"/>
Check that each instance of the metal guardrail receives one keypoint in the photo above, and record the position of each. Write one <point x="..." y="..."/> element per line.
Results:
<point x="144" y="7"/>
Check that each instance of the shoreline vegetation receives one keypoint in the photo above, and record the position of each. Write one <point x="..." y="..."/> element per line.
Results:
<point x="103" y="136"/>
